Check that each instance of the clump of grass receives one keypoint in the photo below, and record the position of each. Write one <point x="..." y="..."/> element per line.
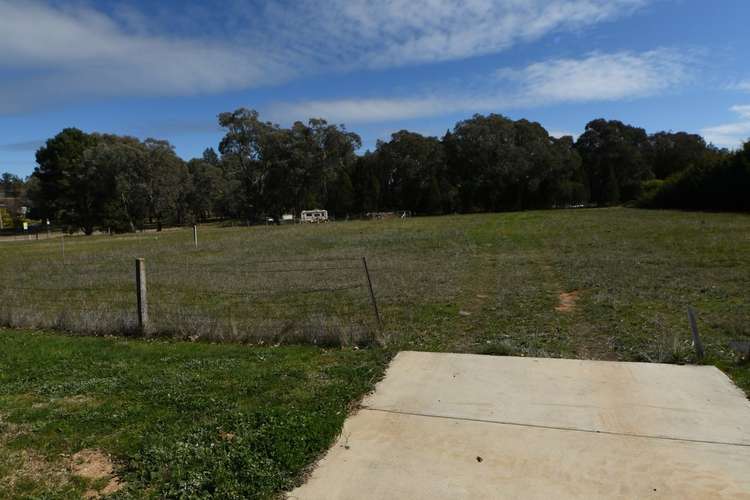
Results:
<point x="96" y="320"/>
<point x="497" y="349"/>
<point x="673" y="350"/>
<point x="665" y="346"/>
<point x="317" y="329"/>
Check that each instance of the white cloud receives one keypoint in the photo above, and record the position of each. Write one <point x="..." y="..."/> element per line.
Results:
<point x="730" y="135"/>
<point x="596" y="77"/>
<point x="397" y="32"/>
<point x="57" y="54"/>
<point x="359" y="110"/>
<point x="51" y="54"/>
<point x="742" y="86"/>
<point x="742" y="110"/>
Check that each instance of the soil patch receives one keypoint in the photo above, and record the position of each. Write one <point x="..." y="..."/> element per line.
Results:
<point x="567" y="301"/>
<point x="95" y="465"/>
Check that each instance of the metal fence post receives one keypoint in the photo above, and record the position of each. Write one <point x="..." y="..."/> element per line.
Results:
<point x="140" y="284"/>
<point x="372" y="293"/>
<point x="195" y="235"/>
<point x="696" y="338"/>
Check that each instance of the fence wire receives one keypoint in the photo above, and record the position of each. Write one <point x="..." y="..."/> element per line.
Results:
<point x="310" y="300"/>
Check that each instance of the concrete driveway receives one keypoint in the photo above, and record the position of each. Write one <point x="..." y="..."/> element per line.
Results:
<point x="467" y="426"/>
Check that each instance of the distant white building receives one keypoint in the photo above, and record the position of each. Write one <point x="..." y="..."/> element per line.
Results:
<point x="314" y="216"/>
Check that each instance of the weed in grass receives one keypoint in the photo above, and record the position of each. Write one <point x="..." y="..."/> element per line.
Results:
<point x="497" y="349"/>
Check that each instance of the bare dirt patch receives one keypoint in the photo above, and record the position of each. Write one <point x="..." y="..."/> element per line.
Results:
<point x="567" y="301"/>
<point x="95" y="465"/>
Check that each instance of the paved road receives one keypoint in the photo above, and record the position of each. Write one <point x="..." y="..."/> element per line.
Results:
<point x="466" y="426"/>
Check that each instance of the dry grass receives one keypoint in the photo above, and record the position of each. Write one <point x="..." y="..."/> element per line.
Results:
<point x="266" y="285"/>
<point x="96" y="319"/>
<point x="636" y="271"/>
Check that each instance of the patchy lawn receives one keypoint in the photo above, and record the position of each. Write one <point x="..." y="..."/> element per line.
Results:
<point x="81" y="415"/>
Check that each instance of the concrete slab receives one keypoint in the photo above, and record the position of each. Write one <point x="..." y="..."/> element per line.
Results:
<point x="392" y="456"/>
<point x="465" y="426"/>
<point x="682" y="402"/>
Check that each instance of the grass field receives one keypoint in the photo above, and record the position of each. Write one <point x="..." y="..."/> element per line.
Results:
<point x="597" y="284"/>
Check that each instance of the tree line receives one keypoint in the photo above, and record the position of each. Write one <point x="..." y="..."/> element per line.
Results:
<point x="485" y="163"/>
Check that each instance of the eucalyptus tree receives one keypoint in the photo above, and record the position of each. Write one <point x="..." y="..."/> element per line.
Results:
<point x="413" y="173"/>
<point x="245" y="154"/>
<point x="68" y="189"/>
<point x="615" y="156"/>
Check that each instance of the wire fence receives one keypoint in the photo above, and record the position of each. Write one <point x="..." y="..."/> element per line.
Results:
<point x="220" y="291"/>
<point x="315" y="301"/>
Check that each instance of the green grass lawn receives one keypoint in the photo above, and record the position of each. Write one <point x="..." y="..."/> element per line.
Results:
<point x="487" y="283"/>
<point x="178" y="419"/>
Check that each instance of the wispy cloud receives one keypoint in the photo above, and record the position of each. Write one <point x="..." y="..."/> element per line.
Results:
<point x="22" y="146"/>
<point x="58" y="54"/>
<point x="398" y="32"/>
<point x="364" y="110"/>
<point x="596" y="77"/>
<point x="730" y="135"/>
<point x="599" y="77"/>
<point x="742" y="110"/>
<point x="742" y="86"/>
<point x="51" y="54"/>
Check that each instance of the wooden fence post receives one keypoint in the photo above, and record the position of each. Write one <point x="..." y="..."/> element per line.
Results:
<point x="696" y="338"/>
<point x="195" y="235"/>
<point x="372" y="293"/>
<point x="140" y="284"/>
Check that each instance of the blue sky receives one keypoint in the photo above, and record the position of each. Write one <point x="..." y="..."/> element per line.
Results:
<point x="166" y="69"/>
